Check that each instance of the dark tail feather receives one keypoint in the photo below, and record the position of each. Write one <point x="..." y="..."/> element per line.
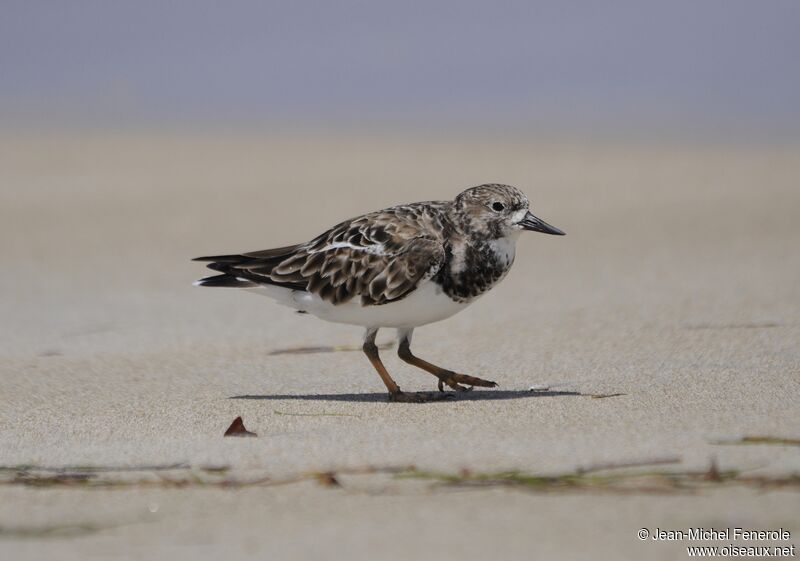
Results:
<point x="235" y="274"/>
<point x="225" y="281"/>
<point x="275" y="253"/>
<point x="221" y="258"/>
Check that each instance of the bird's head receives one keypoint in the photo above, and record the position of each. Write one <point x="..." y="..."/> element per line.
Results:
<point x="499" y="211"/>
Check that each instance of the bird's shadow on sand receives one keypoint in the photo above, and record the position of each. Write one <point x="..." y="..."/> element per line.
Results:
<point x="381" y="397"/>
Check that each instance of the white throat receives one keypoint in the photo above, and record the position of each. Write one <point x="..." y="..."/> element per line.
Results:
<point x="505" y="248"/>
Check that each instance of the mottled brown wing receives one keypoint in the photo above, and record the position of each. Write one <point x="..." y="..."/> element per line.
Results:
<point x="379" y="258"/>
<point x="378" y="261"/>
<point x="341" y="274"/>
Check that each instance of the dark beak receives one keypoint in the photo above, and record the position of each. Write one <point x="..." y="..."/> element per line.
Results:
<point x="530" y="222"/>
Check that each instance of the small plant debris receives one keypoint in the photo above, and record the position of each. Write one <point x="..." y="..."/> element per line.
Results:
<point x="713" y="473"/>
<point x="629" y="464"/>
<point x="55" y="531"/>
<point x="215" y="469"/>
<point x="546" y="390"/>
<point x="328" y="479"/>
<point x="762" y="440"/>
<point x="24" y="468"/>
<point x="237" y="429"/>
<point x="186" y="477"/>
<point x="633" y="477"/>
<point x="627" y="482"/>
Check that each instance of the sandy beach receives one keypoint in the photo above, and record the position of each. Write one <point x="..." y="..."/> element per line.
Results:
<point x="662" y="329"/>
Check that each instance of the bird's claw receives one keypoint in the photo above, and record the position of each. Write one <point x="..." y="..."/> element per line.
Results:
<point x="455" y="380"/>
<point x="454" y="385"/>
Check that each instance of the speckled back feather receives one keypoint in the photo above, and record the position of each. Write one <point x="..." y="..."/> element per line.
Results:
<point x="379" y="257"/>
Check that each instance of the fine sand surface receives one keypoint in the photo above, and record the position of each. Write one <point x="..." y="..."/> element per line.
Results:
<point x="677" y="286"/>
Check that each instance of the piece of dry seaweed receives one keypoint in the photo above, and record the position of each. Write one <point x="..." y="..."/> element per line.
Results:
<point x="237" y="429"/>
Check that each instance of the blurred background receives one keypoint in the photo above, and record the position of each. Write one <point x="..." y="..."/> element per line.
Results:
<point x="525" y="66"/>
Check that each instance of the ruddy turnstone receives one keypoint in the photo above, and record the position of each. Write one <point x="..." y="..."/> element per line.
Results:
<point x="401" y="267"/>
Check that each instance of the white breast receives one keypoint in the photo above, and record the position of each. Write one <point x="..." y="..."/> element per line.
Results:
<point x="426" y="304"/>
<point x="505" y="249"/>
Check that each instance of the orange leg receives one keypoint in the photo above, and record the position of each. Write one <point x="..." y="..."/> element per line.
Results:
<point x="371" y="350"/>
<point x="452" y="379"/>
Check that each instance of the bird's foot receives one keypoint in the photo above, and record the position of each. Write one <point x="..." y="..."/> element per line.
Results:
<point x="421" y="397"/>
<point x="455" y="380"/>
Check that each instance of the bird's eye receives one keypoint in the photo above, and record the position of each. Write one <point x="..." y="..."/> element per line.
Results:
<point x="498" y="207"/>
